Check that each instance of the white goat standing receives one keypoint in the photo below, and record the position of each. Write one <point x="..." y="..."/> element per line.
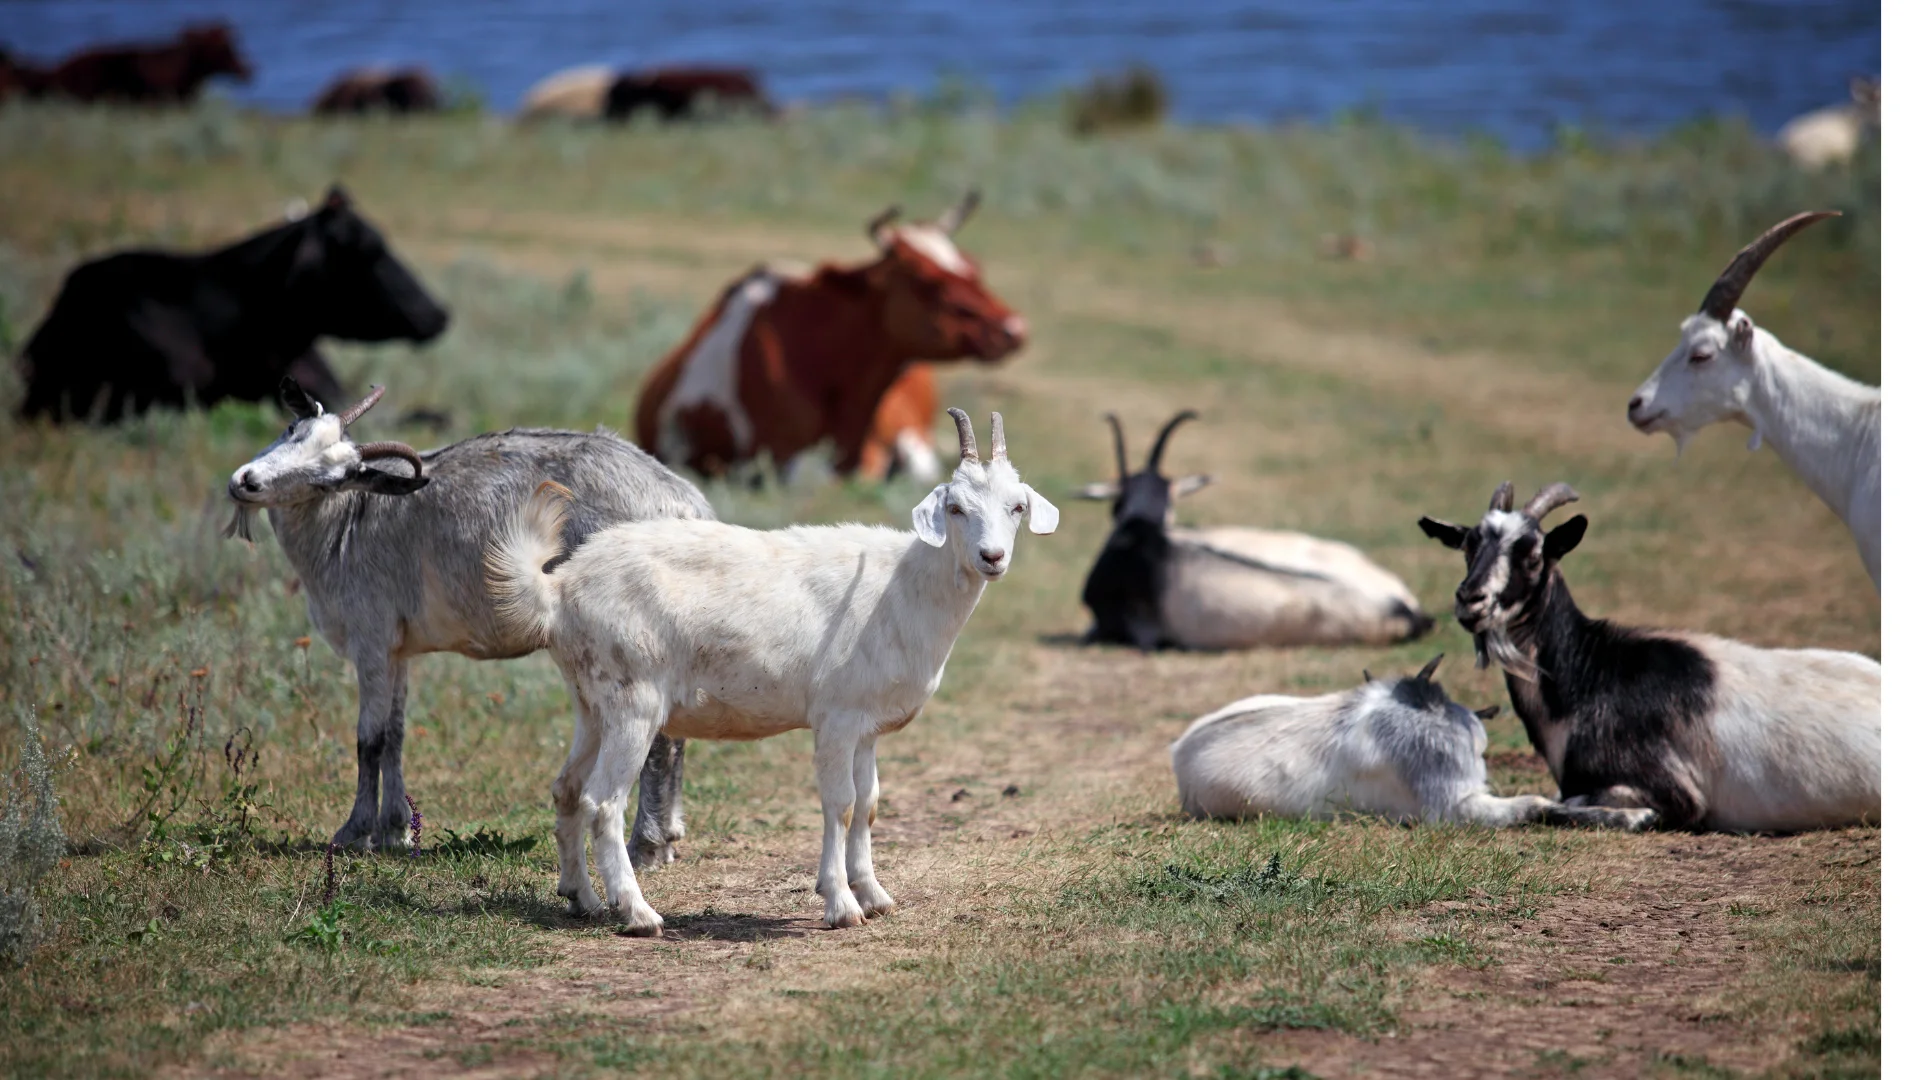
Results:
<point x="741" y="634"/>
<point x="1400" y="749"/>
<point x="1825" y="426"/>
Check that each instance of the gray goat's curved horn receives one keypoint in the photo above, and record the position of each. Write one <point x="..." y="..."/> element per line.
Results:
<point x="1160" y="444"/>
<point x="374" y="451"/>
<point x="957" y="214"/>
<point x="997" y="436"/>
<point x="1119" y="444"/>
<point x="1725" y="294"/>
<point x="357" y="410"/>
<point x="1548" y="499"/>
<point x="1367" y="675"/>
<point x="969" y="449"/>
<point x="1433" y="665"/>
<point x="880" y="221"/>
<point x="1502" y="496"/>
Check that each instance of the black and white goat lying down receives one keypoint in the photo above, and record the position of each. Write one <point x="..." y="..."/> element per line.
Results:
<point x="1155" y="585"/>
<point x="1397" y="748"/>
<point x="1706" y="732"/>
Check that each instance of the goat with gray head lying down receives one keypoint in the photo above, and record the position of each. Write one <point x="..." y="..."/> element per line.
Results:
<point x="1400" y="749"/>
<point x="1156" y="585"/>
<point x="1708" y="733"/>
<point x="393" y="566"/>
<point x="1825" y="426"/>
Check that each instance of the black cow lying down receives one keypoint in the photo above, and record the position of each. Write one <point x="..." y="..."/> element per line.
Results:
<point x="144" y="328"/>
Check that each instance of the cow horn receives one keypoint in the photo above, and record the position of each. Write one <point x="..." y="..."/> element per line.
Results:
<point x="880" y="221"/>
<point x="1502" y="497"/>
<point x="1725" y="294"/>
<point x="957" y="214"/>
<point x="359" y="409"/>
<point x="1119" y="444"/>
<point x="969" y="449"/>
<point x="374" y="451"/>
<point x="1548" y="499"/>
<point x="1160" y="444"/>
<point x="1433" y="665"/>
<point x="997" y="436"/>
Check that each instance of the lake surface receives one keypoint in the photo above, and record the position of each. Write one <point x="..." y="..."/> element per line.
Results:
<point x="1512" y="69"/>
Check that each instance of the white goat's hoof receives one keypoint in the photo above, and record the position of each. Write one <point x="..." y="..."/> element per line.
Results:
<point x="1638" y="820"/>
<point x="581" y="903"/>
<point x="643" y="921"/>
<point x="843" y="911"/>
<point x="873" y="899"/>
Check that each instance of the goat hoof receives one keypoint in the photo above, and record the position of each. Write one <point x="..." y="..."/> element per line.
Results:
<point x="651" y="856"/>
<point x="873" y="899"/>
<point x="843" y="911"/>
<point x="643" y="922"/>
<point x="1639" y="820"/>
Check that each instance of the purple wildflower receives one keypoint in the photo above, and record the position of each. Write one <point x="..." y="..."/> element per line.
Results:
<point x="413" y="825"/>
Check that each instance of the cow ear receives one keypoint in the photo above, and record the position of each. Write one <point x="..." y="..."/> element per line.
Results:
<point x="930" y="518"/>
<point x="1566" y="537"/>
<point x="297" y="400"/>
<point x="1042" y="516"/>
<point x="381" y="482"/>
<point x="1446" y="532"/>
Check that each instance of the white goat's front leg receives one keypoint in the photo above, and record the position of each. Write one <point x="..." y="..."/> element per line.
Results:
<point x="866" y="804"/>
<point x="1497" y="812"/>
<point x="570" y="819"/>
<point x="375" y="669"/>
<point x="630" y="717"/>
<point x="835" y="745"/>
<point x="395" y="814"/>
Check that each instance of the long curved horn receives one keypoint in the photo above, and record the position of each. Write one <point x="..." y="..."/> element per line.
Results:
<point x="1160" y="444"/>
<point x="957" y="214"/>
<point x="1502" y="497"/>
<point x="969" y="449"/>
<point x="997" y="436"/>
<point x="356" y="411"/>
<point x="1433" y="665"/>
<point x="374" y="451"/>
<point x="880" y="221"/>
<point x="1548" y="499"/>
<point x="1725" y="294"/>
<point x="1119" y="444"/>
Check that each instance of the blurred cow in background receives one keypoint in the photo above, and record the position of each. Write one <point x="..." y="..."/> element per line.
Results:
<point x="376" y="89"/>
<point x="596" y="92"/>
<point x="143" y="328"/>
<point x="1831" y="136"/>
<point x="785" y="360"/>
<point x="169" y="73"/>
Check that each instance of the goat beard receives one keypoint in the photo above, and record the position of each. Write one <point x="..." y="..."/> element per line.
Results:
<point x="242" y="523"/>
<point x="1495" y="644"/>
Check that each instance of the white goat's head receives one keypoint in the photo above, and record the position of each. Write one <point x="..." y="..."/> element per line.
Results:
<point x="1511" y="558"/>
<point x="314" y="457"/>
<point x="1709" y="376"/>
<point x="978" y="512"/>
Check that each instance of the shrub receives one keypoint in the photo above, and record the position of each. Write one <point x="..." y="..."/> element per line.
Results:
<point x="1134" y="98"/>
<point x="30" y="844"/>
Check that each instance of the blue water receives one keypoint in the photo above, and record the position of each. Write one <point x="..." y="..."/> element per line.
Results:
<point x="1512" y="68"/>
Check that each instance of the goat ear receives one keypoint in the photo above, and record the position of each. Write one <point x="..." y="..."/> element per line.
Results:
<point x="1189" y="484"/>
<point x="1446" y="532"/>
<point x="1487" y="713"/>
<point x="1101" y="490"/>
<point x="1566" y="537"/>
<point x="1042" y="516"/>
<point x="381" y="482"/>
<point x="1740" y="335"/>
<point x="296" y="399"/>
<point x="930" y="518"/>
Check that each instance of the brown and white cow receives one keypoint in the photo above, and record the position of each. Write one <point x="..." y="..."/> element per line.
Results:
<point x="784" y="360"/>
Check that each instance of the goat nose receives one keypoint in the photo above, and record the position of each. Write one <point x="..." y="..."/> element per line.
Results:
<point x="1634" y="405"/>
<point x="992" y="556"/>
<point x="248" y="482"/>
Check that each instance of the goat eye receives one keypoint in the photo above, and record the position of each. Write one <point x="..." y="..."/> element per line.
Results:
<point x="1019" y="509"/>
<point x="1701" y="357"/>
<point x="954" y="509"/>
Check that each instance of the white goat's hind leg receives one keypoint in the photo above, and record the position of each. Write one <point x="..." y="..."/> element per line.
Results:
<point x="628" y="724"/>
<point x="570" y="820"/>
<point x="1496" y="812"/>
<point x="866" y="803"/>
<point x="835" y="745"/>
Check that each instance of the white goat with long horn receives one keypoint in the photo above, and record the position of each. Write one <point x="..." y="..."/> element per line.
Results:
<point x="1825" y="426"/>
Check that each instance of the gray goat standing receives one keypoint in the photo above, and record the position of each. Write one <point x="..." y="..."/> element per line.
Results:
<point x="394" y="567"/>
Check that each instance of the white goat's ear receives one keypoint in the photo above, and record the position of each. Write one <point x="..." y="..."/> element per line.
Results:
<point x="1740" y="334"/>
<point x="1042" y="516"/>
<point x="1189" y="484"/>
<point x="930" y="518"/>
<point x="1099" y="489"/>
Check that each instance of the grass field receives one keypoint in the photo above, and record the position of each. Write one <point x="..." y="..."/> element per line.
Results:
<point x="1057" y="916"/>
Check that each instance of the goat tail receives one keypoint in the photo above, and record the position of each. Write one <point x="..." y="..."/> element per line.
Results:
<point x="524" y="594"/>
